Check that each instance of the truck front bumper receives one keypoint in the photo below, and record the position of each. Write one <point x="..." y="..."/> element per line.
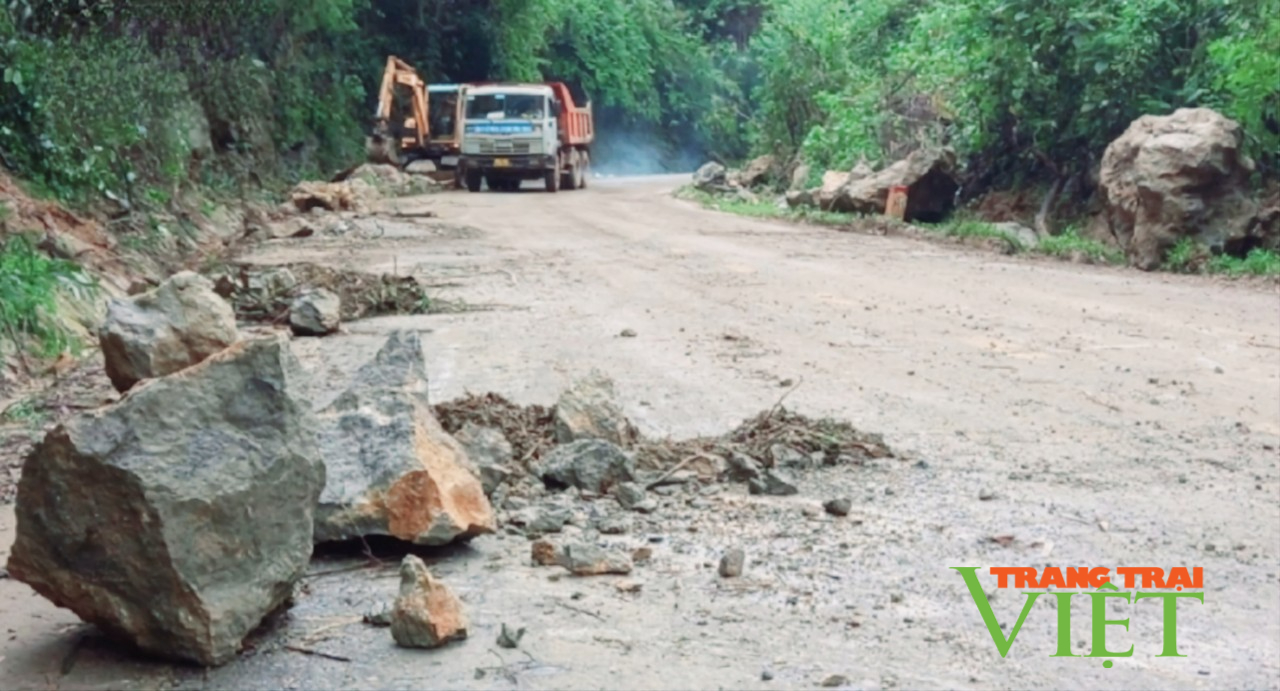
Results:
<point x="520" y="163"/>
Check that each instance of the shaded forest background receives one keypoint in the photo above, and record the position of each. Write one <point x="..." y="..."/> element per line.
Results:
<point x="141" y="99"/>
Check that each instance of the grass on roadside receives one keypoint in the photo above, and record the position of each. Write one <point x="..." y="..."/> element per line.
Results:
<point x="1185" y="257"/>
<point x="1069" y="242"/>
<point x="762" y="208"/>
<point x="966" y="228"/>
<point x="1188" y="257"/>
<point x="30" y="283"/>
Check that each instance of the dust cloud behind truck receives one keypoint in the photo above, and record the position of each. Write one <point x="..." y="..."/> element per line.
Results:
<point x="517" y="132"/>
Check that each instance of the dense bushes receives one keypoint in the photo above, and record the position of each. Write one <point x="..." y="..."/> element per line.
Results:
<point x="1020" y="87"/>
<point x="137" y="97"/>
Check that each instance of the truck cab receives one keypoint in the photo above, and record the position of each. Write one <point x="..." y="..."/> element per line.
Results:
<point x="517" y="132"/>
<point x="444" y="115"/>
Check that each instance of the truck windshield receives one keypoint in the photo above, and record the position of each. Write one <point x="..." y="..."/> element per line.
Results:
<point x="522" y="106"/>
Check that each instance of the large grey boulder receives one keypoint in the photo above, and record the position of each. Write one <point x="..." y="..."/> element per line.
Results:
<point x="590" y="464"/>
<point x="589" y="409"/>
<point x="928" y="175"/>
<point x="392" y="469"/>
<point x="179" y="323"/>
<point x="179" y="517"/>
<point x="1177" y="176"/>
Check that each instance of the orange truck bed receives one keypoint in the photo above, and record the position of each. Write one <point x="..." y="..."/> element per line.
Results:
<point x="577" y="127"/>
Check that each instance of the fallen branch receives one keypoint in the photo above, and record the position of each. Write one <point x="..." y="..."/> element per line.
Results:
<point x="777" y="406"/>
<point x="1104" y="404"/>
<point x="675" y="469"/>
<point x="579" y="610"/>
<point x="316" y="653"/>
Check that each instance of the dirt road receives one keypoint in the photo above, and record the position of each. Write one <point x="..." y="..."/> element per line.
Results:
<point x="1099" y="416"/>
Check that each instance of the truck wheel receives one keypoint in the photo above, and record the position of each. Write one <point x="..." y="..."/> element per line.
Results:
<point x="552" y="178"/>
<point x="473" y="180"/>
<point x="580" y="174"/>
<point x="569" y="179"/>
<point x="585" y="167"/>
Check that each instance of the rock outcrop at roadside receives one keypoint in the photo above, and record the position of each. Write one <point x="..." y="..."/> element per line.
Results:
<point x="392" y="470"/>
<point x="174" y="326"/>
<point x="1177" y="176"/>
<point x="179" y="517"/>
<point x="928" y="175"/>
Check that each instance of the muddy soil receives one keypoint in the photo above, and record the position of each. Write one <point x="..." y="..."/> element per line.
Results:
<point x="1098" y="416"/>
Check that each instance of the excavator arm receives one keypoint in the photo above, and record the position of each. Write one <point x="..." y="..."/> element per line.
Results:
<point x="384" y="147"/>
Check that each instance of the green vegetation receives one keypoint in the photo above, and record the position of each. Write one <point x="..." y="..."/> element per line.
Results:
<point x="1258" y="262"/>
<point x="24" y="412"/>
<point x="961" y="228"/>
<point x="763" y="208"/>
<point x="1026" y="91"/>
<point x="1069" y="243"/>
<point x="30" y="285"/>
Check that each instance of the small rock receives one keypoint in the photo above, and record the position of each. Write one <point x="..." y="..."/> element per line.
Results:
<point x="986" y="495"/>
<point x="490" y="453"/>
<point x="628" y="586"/>
<point x="732" y="563"/>
<point x="787" y="457"/>
<point x="589" y="560"/>
<point x="590" y="464"/>
<point x="743" y="468"/>
<point x="834" y="681"/>
<point x="426" y="614"/>
<point x="839" y="507"/>
<point x="766" y="674"/>
<point x="545" y="554"/>
<point x="614" y="525"/>
<point x="421" y="166"/>
<point x="590" y="410"/>
<point x="316" y="312"/>
<point x="379" y="615"/>
<point x="510" y="639"/>
<point x="629" y="494"/>
<point x="550" y="520"/>
<point x="628" y="333"/>
<point x="775" y="482"/>
<point x="641" y="555"/>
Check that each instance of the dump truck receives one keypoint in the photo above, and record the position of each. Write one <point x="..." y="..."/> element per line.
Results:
<point x="518" y="132"/>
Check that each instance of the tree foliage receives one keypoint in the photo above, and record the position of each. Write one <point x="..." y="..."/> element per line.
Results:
<point x="117" y="96"/>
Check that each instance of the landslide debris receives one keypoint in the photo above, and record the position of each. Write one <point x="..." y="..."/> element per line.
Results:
<point x="268" y="294"/>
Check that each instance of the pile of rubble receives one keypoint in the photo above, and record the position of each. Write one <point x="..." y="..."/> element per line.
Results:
<point x="179" y="517"/>
<point x="330" y="208"/>
<point x="314" y="300"/>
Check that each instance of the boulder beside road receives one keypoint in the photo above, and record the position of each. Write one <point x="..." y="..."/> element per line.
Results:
<point x="177" y="324"/>
<point x="179" y="517"/>
<point x="1177" y="176"/>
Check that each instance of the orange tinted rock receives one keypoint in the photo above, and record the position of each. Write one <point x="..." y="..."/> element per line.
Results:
<point x="391" y="468"/>
<point x="426" y="614"/>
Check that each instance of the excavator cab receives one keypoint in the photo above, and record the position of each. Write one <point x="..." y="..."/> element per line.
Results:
<point x="411" y="141"/>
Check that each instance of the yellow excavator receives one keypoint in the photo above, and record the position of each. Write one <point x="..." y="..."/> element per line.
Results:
<point x="388" y="143"/>
<point x="433" y="128"/>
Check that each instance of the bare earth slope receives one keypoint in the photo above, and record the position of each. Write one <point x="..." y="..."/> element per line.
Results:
<point x="1104" y="416"/>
